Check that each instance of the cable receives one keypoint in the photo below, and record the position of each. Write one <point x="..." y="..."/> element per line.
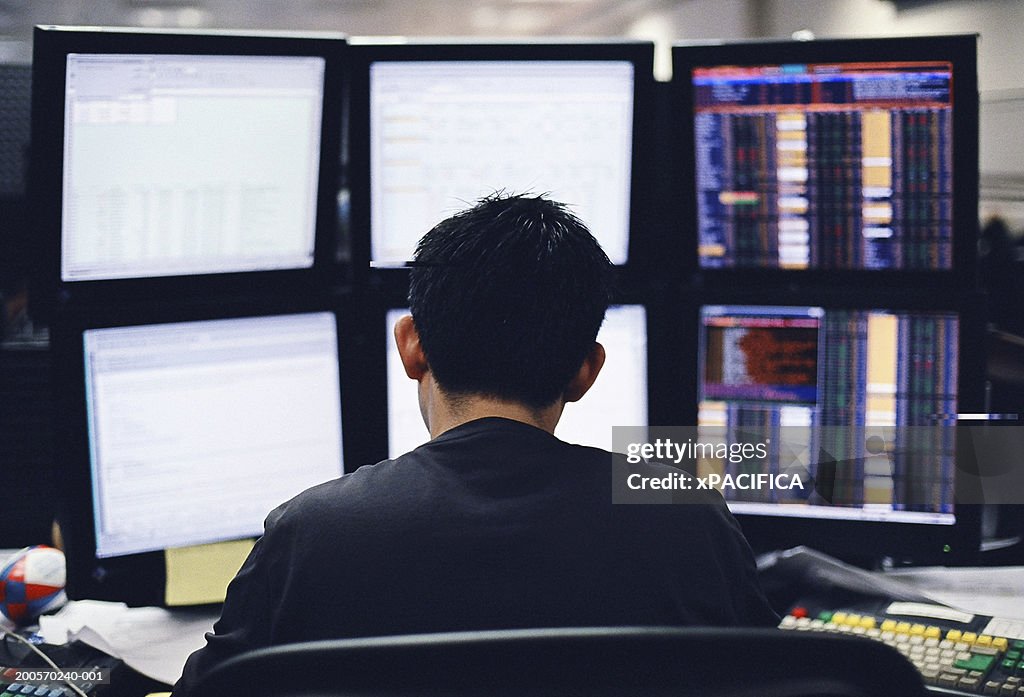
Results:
<point x="46" y="658"/>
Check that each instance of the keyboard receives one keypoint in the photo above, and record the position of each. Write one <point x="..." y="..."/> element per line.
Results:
<point x="23" y="674"/>
<point x="956" y="652"/>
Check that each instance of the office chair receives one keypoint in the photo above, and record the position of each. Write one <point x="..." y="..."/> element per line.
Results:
<point x="598" y="662"/>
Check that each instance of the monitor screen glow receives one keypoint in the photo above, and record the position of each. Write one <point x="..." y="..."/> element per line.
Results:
<point x="445" y="133"/>
<point x="197" y="430"/>
<point x="189" y="164"/>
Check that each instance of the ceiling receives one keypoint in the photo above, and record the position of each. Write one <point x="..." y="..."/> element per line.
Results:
<point x="373" y="17"/>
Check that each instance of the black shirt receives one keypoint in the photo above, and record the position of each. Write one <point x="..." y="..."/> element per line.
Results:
<point x="494" y="524"/>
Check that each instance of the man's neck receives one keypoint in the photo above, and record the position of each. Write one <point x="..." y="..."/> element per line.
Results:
<point x="445" y="413"/>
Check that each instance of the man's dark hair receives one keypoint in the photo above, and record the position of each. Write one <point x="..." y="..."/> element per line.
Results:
<point x="507" y="298"/>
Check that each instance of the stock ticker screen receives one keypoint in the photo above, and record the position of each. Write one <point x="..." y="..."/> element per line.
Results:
<point x="825" y="166"/>
<point x="856" y="398"/>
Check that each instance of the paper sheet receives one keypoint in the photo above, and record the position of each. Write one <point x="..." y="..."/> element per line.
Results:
<point x="154" y="641"/>
<point x="997" y="591"/>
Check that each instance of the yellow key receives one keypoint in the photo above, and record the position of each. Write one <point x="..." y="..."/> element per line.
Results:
<point x="839" y="618"/>
<point x="852" y="619"/>
<point x="932" y="633"/>
<point x="1000" y="643"/>
<point x="903" y="628"/>
<point x="888" y="625"/>
<point x="984" y="640"/>
<point x="954" y="635"/>
<point x="969" y="637"/>
<point x="867" y="622"/>
<point x="917" y="629"/>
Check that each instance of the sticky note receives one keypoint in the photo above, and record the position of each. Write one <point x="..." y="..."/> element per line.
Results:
<point x="200" y="575"/>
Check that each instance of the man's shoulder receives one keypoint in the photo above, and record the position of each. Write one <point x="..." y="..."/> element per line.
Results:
<point x="351" y="490"/>
<point x="425" y="478"/>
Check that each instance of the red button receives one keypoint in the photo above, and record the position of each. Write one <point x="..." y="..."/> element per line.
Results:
<point x="798" y="612"/>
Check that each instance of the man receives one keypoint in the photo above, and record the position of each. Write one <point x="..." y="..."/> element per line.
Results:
<point x="494" y="523"/>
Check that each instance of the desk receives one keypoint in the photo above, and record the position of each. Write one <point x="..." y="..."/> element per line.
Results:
<point x="153" y="641"/>
<point x="156" y="642"/>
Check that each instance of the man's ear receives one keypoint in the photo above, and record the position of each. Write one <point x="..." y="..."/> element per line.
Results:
<point x="408" y="339"/>
<point x="586" y="375"/>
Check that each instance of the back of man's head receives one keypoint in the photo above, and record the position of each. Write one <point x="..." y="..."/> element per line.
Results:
<point x="507" y="298"/>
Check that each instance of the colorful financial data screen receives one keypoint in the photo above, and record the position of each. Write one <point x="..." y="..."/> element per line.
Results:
<point x="825" y="166"/>
<point x="762" y="358"/>
<point x="858" y="400"/>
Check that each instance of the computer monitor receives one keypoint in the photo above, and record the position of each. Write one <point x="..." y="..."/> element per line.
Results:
<point x="618" y="397"/>
<point x="194" y="431"/>
<point x="835" y="155"/>
<point x="860" y="402"/>
<point x="449" y="124"/>
<point x="181" y="155"/>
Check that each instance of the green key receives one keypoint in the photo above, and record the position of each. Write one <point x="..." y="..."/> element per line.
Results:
<point x="976" y="662"/>
<point x="1018" y="645"/>
<point x="825" y="616"/>
<point x="1013" y="655"/>
<point x="1009" y="664"/>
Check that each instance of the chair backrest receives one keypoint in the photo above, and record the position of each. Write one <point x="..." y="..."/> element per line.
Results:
<point x="597" y="662"/>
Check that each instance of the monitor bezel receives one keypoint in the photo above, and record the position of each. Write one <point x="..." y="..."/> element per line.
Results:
<point x="960" y="50"/>
<point x="139" y="579"/>
<point x="364" y="52"/>
<point x="51" y="46"/>
<point x="866" y="543"/>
